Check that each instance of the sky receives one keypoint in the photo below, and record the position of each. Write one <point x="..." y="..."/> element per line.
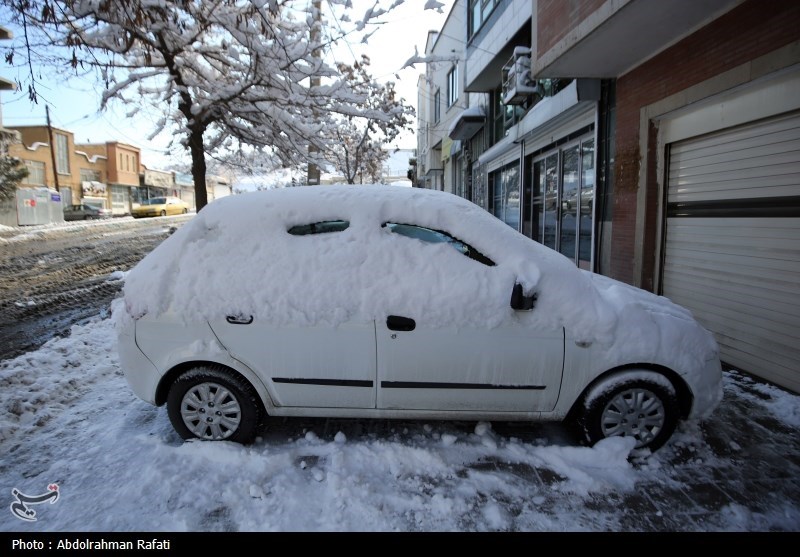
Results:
<point x="74" y="105"/>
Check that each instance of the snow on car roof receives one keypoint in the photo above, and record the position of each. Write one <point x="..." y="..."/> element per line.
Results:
<point x="237" y="257"/>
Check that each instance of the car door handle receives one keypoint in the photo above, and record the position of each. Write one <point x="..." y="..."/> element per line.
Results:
<point x="239" y="319"/>
<point x="398" y="323"/>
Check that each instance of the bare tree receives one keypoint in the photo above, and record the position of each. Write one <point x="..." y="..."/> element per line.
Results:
<point x="357" y="149"/>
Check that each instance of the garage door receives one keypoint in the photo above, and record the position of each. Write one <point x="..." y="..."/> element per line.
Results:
<point x="732" y="251"/>
<point x="221" y="191"/>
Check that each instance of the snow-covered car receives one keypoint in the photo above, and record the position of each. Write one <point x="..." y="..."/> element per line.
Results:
<point x="383" y="302"/>
<point x="160" y="207"/>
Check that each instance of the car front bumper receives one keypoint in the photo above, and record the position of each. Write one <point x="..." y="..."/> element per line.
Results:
<point x="707" y="389"/>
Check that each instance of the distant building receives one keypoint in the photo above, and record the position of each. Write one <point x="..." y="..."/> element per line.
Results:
<point x="104" y="174"/>
<point x="6" y="136"/>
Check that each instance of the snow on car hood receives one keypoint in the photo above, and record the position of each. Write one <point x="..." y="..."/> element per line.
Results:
<point x="236" y="257"/>
<point x="653" y="329"/>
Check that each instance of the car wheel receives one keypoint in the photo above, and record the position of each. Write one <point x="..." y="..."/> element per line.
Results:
<point x="185" y="210"/>
<point x="211" y="403"/>
<point x="87" y="217"/>
<point x="163" y="213"/>
<point x="640" y="404"/>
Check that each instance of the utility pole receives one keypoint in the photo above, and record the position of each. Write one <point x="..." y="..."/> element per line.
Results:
<point x="52" y="146"/>
<point x="313" y="170"/>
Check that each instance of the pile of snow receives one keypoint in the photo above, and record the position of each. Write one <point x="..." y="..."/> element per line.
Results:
<point x="237" y="257"/>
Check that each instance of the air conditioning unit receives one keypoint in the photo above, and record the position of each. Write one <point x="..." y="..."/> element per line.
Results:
<point x="516" y="77"/>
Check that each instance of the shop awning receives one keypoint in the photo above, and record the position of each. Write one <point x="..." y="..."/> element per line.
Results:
<point x="468" y="123"/>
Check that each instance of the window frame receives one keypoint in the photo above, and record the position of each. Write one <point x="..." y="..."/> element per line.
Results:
<point x="437" y="106"/>
<point x="485" y="9"/>
<point x="586" y="145"/>
<point x="62" y="154"/>
<point x="452" y="86"/>
<point x="37" y="166"/>
<point x="96" y="175"/>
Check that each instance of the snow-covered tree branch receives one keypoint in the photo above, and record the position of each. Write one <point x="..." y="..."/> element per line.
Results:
<point x="220" y="73"/>
<point x="357" y="149"/>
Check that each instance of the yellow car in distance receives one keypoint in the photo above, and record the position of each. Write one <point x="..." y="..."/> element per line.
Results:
<point x="160" y="207"/>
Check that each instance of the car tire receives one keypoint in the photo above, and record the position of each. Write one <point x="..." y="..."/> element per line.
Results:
<point x="185" y="210"/>
<point x="163" y="213"/>
<point x="194" y="395"/>
<point x="641" y="404"/>
<point x="87" y="217"/>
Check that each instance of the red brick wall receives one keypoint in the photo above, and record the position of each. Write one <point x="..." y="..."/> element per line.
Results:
<point x="556" y="18"/>
<point x="750" y="30"/>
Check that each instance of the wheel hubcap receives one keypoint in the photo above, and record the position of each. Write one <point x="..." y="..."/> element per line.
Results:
<point x="635" y="413"/>
<point x="210" y="411"/>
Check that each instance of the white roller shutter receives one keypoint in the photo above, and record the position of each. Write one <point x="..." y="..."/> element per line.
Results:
<point x="221" y="191"/>
<point x="732" y="250"/>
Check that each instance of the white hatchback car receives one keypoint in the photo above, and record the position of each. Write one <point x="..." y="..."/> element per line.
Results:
<point x="387" y="302"/>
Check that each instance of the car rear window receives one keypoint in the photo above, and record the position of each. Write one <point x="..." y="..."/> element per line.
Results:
<point x="319" y="227"/>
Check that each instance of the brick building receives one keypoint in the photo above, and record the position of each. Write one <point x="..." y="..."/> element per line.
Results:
<point x="655" y="142"/>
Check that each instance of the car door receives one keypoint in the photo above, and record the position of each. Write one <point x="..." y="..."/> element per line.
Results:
<point x="510" y="368"/>
<point x="317" y="366"/>
<point x="314" y="367"/>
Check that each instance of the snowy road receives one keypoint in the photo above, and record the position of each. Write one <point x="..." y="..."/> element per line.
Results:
<point x="67" y="417"/>
<point x="54" y="276"/>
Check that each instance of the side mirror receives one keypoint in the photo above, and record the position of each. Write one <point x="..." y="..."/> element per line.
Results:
<point x="519" y="301"/>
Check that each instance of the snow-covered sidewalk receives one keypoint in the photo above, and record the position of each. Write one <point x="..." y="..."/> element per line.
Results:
<point x="67" y="417"/>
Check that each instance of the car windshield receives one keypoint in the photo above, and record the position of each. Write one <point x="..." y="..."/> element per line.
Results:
<point x="157" y="201"/>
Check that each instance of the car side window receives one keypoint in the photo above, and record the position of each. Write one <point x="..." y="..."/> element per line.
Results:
<point x="319" y="227"/>
<point x="432" y="236"/>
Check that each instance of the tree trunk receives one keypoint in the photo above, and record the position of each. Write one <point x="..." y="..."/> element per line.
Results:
<point x="198" y="168"/>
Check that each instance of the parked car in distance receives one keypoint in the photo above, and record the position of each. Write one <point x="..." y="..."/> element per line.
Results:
<point x="386" y="302"/>
<point x="160" y="207"/>
<point x="85" y="212"/>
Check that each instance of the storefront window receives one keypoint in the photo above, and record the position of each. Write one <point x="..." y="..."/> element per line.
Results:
<point x="545" y="200"/>
<point x="562" y="199"/>
<point x="504" y="184"/>
<point x="119" y="199"/>
<point x="570" y="177"/>
<point x="586" y="205"/>
<point x="479" y="196"/>
<point x="458" y="176"/>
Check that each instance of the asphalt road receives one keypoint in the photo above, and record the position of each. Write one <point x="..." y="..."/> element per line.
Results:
<point x="52" y="277"/>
